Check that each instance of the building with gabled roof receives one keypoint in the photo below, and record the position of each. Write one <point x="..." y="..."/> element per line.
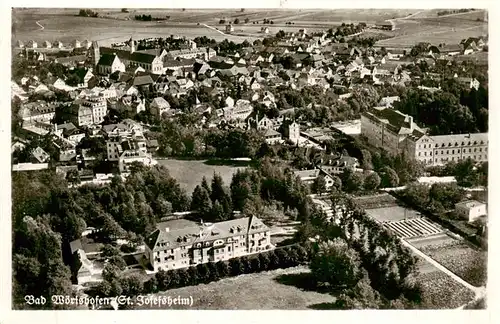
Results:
<point x="168" y="249"/>
<point x="397" y="133"/>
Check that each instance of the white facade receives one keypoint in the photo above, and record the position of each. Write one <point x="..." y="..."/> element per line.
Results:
<point x="471" y="210"/>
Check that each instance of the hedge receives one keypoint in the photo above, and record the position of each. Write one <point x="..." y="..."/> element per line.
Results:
<point x="282" y="257"/>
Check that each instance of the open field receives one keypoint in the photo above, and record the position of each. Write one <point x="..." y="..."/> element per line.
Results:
<point x="439" y="291"/>
<point x="114" y="26"/>
<point x="250" y="291"/>
<point x="189" y="173"/>
<point x="467" y="263"/>
<point x="392" y="214"/>
<point x="450" y="29"/>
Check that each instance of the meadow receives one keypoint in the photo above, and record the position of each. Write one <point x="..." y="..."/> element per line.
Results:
<point x="189" y="173"/>
<point x="251" y="291"/>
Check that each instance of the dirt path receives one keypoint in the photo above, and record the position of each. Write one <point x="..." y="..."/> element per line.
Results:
<point x="213" y="28"/>
<point x="41" y="27"/>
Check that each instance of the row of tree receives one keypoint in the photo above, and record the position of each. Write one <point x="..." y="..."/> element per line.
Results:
<point x="114" y="284"/>
<point x="352" y="244"/>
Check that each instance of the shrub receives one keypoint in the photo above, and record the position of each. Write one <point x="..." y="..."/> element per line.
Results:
<point x="151" y="286"/>
<point x="163" y="280"/>
<point x="236" y="267"/>
<point x="222" y="269"/>
<point x="255" y="265"/>
<point x="213" y="272"/>
<point x="203" y="273"/>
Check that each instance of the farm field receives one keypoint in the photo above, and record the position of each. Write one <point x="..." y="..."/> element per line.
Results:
<point x="189" y="173"/>
<point x="450" y="29"/>
<point x="250" y="291"/>
<point x="66" y="28"/>
<point x="468" y="263"/>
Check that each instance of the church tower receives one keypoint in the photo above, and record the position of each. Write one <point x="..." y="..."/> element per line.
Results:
<point x="95" y="53"/>
<point x="132" y="45"/>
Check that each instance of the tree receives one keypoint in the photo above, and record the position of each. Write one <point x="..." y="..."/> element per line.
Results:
<point x="236" y="21"/>
<point x="366" y="163"/>
<point x="200" y="201"/>
<point x="236" y="267"/>
<point x="372" y="181"/>
<point x="336" y="265"/>
<point x="319" y="184"/>
<point x="73" y="177"/>
<point x="247" y="20"/>
<point x="118" y="261"/>
<point x="353" y="181"/>
<point x="222" y="269"/>
<point x="217" y="213"/>
<point x="109" y="250"/>
<point x="389" y="178"/>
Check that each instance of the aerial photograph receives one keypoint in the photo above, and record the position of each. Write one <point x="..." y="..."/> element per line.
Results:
<point x="249" y="159"/>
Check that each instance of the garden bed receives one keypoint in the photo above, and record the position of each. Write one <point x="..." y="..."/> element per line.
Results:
<point x="467" y="263"/>
<point x="439" y="291"/>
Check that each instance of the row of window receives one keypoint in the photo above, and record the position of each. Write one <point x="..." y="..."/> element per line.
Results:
<point x="450" y="144"/>
<point x="446" y="159"/>
<point x="453" y="151"/>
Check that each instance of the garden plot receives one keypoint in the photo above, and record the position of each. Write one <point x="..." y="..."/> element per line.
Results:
<point x="439" y="291"/>
<point x="466" y="262"/>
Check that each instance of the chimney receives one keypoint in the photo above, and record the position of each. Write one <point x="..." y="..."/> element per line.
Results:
<point x="411" y="123"/>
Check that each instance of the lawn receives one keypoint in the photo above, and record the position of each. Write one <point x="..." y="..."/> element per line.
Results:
<point x="251" y="291"/>
<point x="439" y="291"/>
<point x="392" y="214"/>
<point x="189" y="173"/>
<point x="468" y="263"/>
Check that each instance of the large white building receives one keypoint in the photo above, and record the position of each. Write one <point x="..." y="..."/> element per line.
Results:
<point x="398" y="133"/>
<point x="180" y="248"/>
<point x="89" y="111"/>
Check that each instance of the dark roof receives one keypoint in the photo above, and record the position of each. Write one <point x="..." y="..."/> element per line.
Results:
<point x="142" y="57"/>
<point x="81" y="72"/>
<point x="142" y="80"/>
<point x="106" y="59"/>
<point x="396" y="119"/>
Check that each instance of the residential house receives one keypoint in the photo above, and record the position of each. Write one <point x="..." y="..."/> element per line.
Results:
<point x="159" y="106"/>
<point x="472" y="83"/>
<point x="88" y="111"/>
<point x="39" y="155"/>
<point x="271" y="136"/>
<point x="471" y="210"/>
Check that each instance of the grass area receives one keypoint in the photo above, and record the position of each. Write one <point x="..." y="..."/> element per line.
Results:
<point x="189" y="173"/>
<point x="467" y="263"/>
<point x="392" y="214"/>
<point x="252" y="291"/>
<point x="439" y="291"/>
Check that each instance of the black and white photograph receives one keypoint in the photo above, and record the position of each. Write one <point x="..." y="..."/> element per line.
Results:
<point x="248" y="158"/>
